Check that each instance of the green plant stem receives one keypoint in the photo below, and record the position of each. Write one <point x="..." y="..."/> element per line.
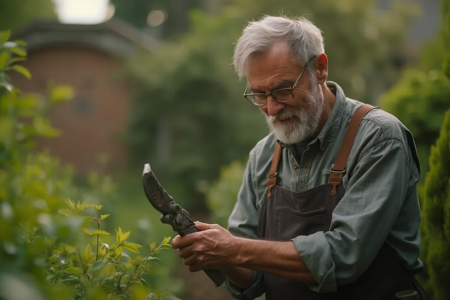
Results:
<point x="118" y="283"/>
<point x="82" y="263"/>
<point x="98" y="236"/>
<point x="112" y="250"/>
<point x="138" y="272"/>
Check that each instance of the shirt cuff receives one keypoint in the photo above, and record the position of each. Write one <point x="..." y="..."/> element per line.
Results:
<point x="315" y="252"/>
<point x="256" y="288"/>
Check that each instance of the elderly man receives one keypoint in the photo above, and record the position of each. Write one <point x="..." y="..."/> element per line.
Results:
<point x="328" y="206"/>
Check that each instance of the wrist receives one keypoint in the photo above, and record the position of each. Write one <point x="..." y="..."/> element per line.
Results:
<point x="238" y="258"/>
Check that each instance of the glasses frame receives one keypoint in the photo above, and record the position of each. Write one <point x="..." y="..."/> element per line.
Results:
<point x="246" y="96"/>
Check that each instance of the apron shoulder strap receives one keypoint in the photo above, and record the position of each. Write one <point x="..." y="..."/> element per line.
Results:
<point x="337" y="172"/>
<point x="272" y="178"/>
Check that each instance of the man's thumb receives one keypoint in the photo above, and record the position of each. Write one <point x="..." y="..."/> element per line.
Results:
<point x="202" y="226"/>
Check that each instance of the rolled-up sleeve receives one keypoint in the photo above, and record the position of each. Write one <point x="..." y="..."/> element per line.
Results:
<point x="376" y="189"/>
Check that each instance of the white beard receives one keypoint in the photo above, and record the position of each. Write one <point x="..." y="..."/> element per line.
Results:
<point x="302" y="123"/>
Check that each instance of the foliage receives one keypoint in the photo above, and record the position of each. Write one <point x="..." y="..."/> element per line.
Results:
<point x="105" y="270"/>
<point x="176" y="18"/>
<point x="419" y="100"/>
<point x="189" y="117"/>
<point x="222" y="195"/>
<point x="446" y="8"/>
<point x="14" y="15"/>
<point x="436" y="215"/>
<point x="36" y="261"/>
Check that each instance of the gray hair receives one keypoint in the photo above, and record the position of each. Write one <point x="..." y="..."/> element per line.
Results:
<point x="303" y="37"/>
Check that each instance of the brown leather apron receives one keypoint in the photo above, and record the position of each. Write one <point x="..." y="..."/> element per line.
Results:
<point x="286" y="215"/>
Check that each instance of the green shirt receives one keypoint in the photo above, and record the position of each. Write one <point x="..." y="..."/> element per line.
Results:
<point x="380" y="202"/>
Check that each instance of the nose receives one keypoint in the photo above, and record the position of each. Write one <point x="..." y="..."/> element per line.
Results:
<point x="273" y="107"/>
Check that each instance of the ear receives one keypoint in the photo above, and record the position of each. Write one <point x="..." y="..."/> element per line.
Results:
<point x="321" y="67"/>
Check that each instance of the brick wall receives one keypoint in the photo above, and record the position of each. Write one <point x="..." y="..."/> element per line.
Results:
<point x="94" y="122"/>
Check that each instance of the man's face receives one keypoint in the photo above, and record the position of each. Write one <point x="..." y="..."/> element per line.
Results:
<point x="291" y="121"/>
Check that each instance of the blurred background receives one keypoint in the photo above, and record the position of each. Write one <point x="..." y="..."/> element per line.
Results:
<point x="152" y="81"/>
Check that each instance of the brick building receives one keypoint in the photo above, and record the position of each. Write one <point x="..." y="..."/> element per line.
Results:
<point x="88" y="58"/>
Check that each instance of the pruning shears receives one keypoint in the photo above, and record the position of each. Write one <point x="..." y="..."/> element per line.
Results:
<point x="172" y="213"/>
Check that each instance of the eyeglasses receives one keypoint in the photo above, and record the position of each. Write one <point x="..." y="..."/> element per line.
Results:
<point x="281" y="95"/>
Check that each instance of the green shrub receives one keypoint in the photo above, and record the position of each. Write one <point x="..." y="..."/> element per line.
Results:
<point x="419" y="101"/>
<point x="42" y="252"/>
<point x="436" y="216"/>
<point x="222" y="195"/>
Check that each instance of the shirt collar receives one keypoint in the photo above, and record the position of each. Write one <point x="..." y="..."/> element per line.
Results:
<point x="329" y="131"/>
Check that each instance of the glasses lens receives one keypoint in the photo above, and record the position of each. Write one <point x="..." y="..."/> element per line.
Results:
<point x="283" y="95"/>
<point x="257" y="99"/>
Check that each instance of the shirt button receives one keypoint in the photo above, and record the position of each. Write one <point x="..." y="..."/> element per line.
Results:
<point x="295" y="167"/>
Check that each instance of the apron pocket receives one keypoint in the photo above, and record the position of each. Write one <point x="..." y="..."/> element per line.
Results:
<point x="292" y="223"/>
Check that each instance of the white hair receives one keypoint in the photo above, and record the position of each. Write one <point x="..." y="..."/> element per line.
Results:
<point x="303" y="37"/>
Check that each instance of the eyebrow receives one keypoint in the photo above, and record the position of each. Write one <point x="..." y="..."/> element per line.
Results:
<point x="280" y="84"/>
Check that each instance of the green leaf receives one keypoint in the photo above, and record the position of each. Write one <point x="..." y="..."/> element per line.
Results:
<point x="152" y="246"/>
<point x="98" y="265"/>
<point x="87" y="254"/>
<point x="74" y="270"/>
<point x="120" y="236"/>
<point x="3" y="58"/>
<point x="8" y="86"/>
<point x="20" y="42"/>
<point x="87" y="231"/>
<point x="4" y="36"/>
<point x="18" y="51"/>
<point x="104" y="217"/>
<point x="9" y="45"/>
<point x="17" y="59"/>
<point x="80" y="207"/>
<point x="22" y="70"/>
<point x="70" y="203"/>
<point x="66" y="212"/>
<point x="166" y="240"/>
<point x="99" y="232"/>
<point x="132" y="246"/>
<point x="60" y="94"/>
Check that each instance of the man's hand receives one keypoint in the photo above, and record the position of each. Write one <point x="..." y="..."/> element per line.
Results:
<point x="212" y="247"/>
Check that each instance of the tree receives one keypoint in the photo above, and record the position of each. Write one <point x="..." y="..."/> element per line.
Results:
<point x="14" y="15"/>
<point x="176" y="14"/>
<point x="189" y="116"/>
<point x="436" y="215"/>
<point x="419" y="100"/>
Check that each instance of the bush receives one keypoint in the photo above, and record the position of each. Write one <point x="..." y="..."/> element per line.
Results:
<point x="419" y="100"/>
<point x="436" y="214"/>
<point x="40" y="252"/>
<point x="222" y="195"/>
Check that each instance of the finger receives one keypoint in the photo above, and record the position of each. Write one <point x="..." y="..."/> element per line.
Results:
<point x="202" y="226"/>
<point x="174" y="240"/>
<point x="183" y="241"/>
<point x="189" y="261"/>
<point x="185" y="251"/>
<point x="196" y="267"/>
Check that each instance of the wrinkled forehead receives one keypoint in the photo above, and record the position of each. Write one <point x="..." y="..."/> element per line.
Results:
<point x="277" y="55"/>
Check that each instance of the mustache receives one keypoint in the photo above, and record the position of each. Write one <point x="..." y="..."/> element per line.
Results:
<point x="284" y="115"/>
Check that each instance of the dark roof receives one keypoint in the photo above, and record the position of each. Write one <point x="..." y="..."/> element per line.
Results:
<point x="114" y="36"/>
